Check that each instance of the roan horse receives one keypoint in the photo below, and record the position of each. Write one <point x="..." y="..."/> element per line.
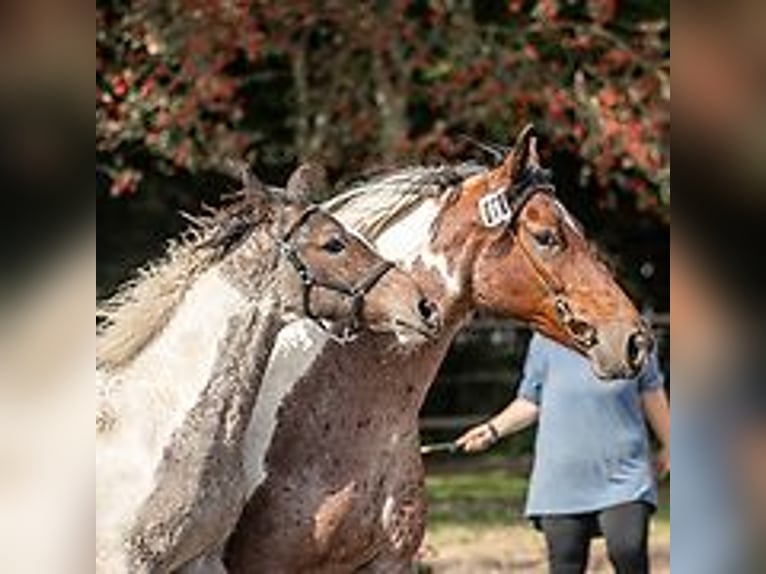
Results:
<point x="182" y="355"/>
<point x="343" y="483"/>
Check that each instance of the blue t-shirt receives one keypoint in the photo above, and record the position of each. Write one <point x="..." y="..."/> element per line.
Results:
<point x="592" y="448"/>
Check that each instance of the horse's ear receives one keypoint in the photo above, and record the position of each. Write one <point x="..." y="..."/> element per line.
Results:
<point x="307" y="182"/>
<point x="250" y="181"/>
<point x="240" y="169"/>
<point x="524" y="153"/>
<point x="257" y="196"/>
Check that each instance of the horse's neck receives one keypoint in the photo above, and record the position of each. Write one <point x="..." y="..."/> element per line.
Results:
<point x="413" y="243"/>
<point x="184" y="405"/>
<point x="146" y="402"/>
<point x="210" y="443"/>
<point x="410" y="243"/>
<point x="236" y="376"/>
<point x="164" y="381"/>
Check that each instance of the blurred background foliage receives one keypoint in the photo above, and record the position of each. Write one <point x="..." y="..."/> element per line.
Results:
<point x="183" y="86"/>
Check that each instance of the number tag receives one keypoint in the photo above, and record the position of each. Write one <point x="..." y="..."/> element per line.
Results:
<point x="494" y="209"/>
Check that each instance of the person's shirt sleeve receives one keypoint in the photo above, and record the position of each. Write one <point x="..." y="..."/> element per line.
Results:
<point x="535" y="372"/>
<point x="651" y="377"/>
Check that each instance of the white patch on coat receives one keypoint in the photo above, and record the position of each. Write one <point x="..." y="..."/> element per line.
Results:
<point x="331" y="513"/>
<point x="297" y="346"/>
<point x="438" y="262"/>
<point x="409" y="239"/>
<point x="151" y="398"/>
<point x="387" y="514"/>
<point x="405" y="240"/>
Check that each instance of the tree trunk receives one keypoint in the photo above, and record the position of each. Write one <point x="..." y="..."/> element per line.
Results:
<point x="392" y="105"/>
<point x="302" y="102"/>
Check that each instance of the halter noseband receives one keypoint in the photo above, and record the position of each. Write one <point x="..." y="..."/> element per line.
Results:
<point x="309" y="281"/>
<point x="504" y="208"/>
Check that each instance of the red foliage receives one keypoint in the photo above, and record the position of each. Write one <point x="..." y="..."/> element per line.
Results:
<point x="602" y="11"/>
<point x="181" y="79"/>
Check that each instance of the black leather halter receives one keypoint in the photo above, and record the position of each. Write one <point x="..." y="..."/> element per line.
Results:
<point x="531" y="182"/>
<point x="309" y="280"/>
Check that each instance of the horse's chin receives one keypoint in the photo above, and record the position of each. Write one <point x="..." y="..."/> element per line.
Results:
<point x="406" y="335"/>
<point x="290" y="315"/>
<point x="610" y="370"/>
<point x="409" y="339"/>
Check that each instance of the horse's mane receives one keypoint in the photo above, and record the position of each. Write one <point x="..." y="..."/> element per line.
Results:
<point x="371" y="206"/>
<point x="140" y="309"/>
<point x="128" y="320"/>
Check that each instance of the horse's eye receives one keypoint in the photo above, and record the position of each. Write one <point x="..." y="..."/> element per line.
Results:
<point x="546" y="239"/>
<point x="334" y="245"/>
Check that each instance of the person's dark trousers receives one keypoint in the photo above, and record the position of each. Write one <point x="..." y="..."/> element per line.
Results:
<point x="625" y="528"/>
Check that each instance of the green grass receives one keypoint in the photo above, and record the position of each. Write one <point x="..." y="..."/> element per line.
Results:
<point x="663" y="512"/>
<point x="481" y="498"/>
<point x="490" y="498"/>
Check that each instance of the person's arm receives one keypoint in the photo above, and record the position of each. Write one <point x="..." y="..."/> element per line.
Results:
<point x="519" y="414"/>
<point x="657" y="413"/>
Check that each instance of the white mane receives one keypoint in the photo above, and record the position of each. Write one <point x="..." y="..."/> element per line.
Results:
<point x="370" y="207"/>
<point x="144" y="305"/>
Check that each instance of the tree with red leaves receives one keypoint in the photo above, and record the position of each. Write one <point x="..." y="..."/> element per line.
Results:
<point x="186" y="85"/>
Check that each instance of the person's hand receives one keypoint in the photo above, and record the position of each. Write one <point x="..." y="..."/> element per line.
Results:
<point x="662" y="462"/>
<point x="477" y="439"/>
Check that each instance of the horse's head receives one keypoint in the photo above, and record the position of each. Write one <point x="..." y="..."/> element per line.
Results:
<point x="533" y="262"/>
<point x="328" y="273"/>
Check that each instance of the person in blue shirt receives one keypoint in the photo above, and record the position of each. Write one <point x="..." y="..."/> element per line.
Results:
<point x="593" y="471"/>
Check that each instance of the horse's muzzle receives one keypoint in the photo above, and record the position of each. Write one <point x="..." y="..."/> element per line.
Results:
<point x="622" y="349"/>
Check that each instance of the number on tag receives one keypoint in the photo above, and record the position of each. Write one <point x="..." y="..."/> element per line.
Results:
<point x="494" y="209"/>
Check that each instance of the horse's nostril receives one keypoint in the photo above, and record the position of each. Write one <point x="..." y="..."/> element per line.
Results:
<point x="637" y="347"/>
<point x="426" y="309"/>
<point x="583" y="332"/>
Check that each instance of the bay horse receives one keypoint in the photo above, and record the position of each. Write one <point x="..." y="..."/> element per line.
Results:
<point x="181" y="357"/>
<point x="343" y="486"/>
